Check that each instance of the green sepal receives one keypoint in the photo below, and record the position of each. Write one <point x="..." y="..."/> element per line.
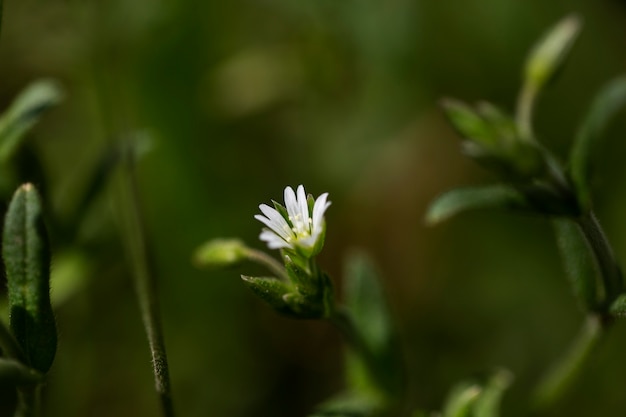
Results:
<point x="272" y="291"/>
<point x="26" y="257"/>
<point x="14" y="373"/>
<point x="548" y="56"/>
<point x="24" y="112"/>
<point x="369" y="312"/>
<point x="220" y="253"/>
<point x="607" y="103"/>
<point x="580" y="264"/>
<point x="618" y="308"/>
<point x="460" y="200"/>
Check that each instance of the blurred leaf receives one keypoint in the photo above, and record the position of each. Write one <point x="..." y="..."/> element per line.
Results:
<point x="348" y="405"/>
<point x="68" y="276"/>
<point x="580" y="264"/>
<point x="15" y="373"/>
<point x="607" y="103"/>
<point x="468" y="123"/>
<point x="549" y="54"/>
<point x="488" y="402"/>
<point x="369" y="311"/>
<point x="26" y="255"/>
<point x="461" y="399"/>
<point x="618" y="308"/>
<point x="465" y="199"/>
<point x="24" y="112"/>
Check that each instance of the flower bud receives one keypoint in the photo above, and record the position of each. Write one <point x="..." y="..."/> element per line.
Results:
<point x="220" y="253"/>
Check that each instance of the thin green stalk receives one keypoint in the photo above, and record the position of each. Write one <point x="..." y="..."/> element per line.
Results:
<point x="609" y="270"/>
<point x="524" y="113"/>
<point x="340" y="318"/>
<point x="555" y="385"/>
<point x="267" y="261"/>
<point x="146" y="288"/>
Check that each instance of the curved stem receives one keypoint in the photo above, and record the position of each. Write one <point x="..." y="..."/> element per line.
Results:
<point x="524" y="113"/>
<point x="609" y="270"/>
<point x="560" y="377"/>
<point x="267" y="261"/>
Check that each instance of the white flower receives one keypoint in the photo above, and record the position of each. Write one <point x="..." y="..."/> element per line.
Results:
<point x="296" y="226"/>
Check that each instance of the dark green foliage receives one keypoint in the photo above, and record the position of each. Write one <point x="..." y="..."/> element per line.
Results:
<point x="26" y="257"/>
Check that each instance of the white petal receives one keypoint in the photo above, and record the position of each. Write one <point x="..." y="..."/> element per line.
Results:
<point x="291" y="204"/>
<point x="274" y="221"/>
<point x="273" y="241"/>
<point x="319" y="208"/>
<point x="303" y="207"/>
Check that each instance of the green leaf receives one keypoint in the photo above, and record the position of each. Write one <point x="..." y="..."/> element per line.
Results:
<point x="607" y="103"/>
<point x="26" y="257"/>
<point x="24" y="112"/>
<point x="478" y="397"/>
<point x="468" y="123"/>
<point x="580" y="264"/>
<point x="369" y="311"/>
<point x="549" y="54"/>
<point x="14" y="373"/>
<point x="465" y="199"/>
<point x="618" y="308"/>
<point x="272" y="291"/>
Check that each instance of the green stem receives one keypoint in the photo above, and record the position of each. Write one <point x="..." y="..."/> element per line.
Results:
<point x="555" y="385"/>
<point x="146" y="287"/>
<point x="609" y="270"/>
<point x="267" y="261"/>
<point x="341" y="319"/>
<point x="524" y="114"/>
<point x="28" y="401"/>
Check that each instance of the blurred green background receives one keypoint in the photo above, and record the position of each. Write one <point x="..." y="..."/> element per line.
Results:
<point x="242" y="98"/>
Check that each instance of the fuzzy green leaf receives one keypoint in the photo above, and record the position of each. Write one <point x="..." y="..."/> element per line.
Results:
<point x="270" y="290"/>
<point x="580" y="264"/>
<point x="25" y="112"/>
<point x="607" y="103"/>
<point x="465" y="199"/>
<point x="348" y="405"/>
<point x="26" y="257"/>
<point x="618" y="308"/>
<point x="488" y="402"/>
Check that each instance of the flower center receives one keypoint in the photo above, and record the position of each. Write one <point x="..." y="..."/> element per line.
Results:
<point x="301" y="227"/>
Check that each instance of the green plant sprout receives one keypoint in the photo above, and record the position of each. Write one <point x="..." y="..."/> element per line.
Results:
<point x="533" y="180"/>
<point x="300" y="289"/>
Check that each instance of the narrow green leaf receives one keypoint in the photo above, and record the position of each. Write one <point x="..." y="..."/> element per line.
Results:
<point x="547" y="57"/>
<point x="24" y="113"/>
<point x="580" y="264"/>
<point x="369" y="310"/>
<point x="607" y="103"/>
<point x="468" y="123"/>
<point x="26" y="257"/>
<point x="465" y="199"/>
<point x="14" y="373"/>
